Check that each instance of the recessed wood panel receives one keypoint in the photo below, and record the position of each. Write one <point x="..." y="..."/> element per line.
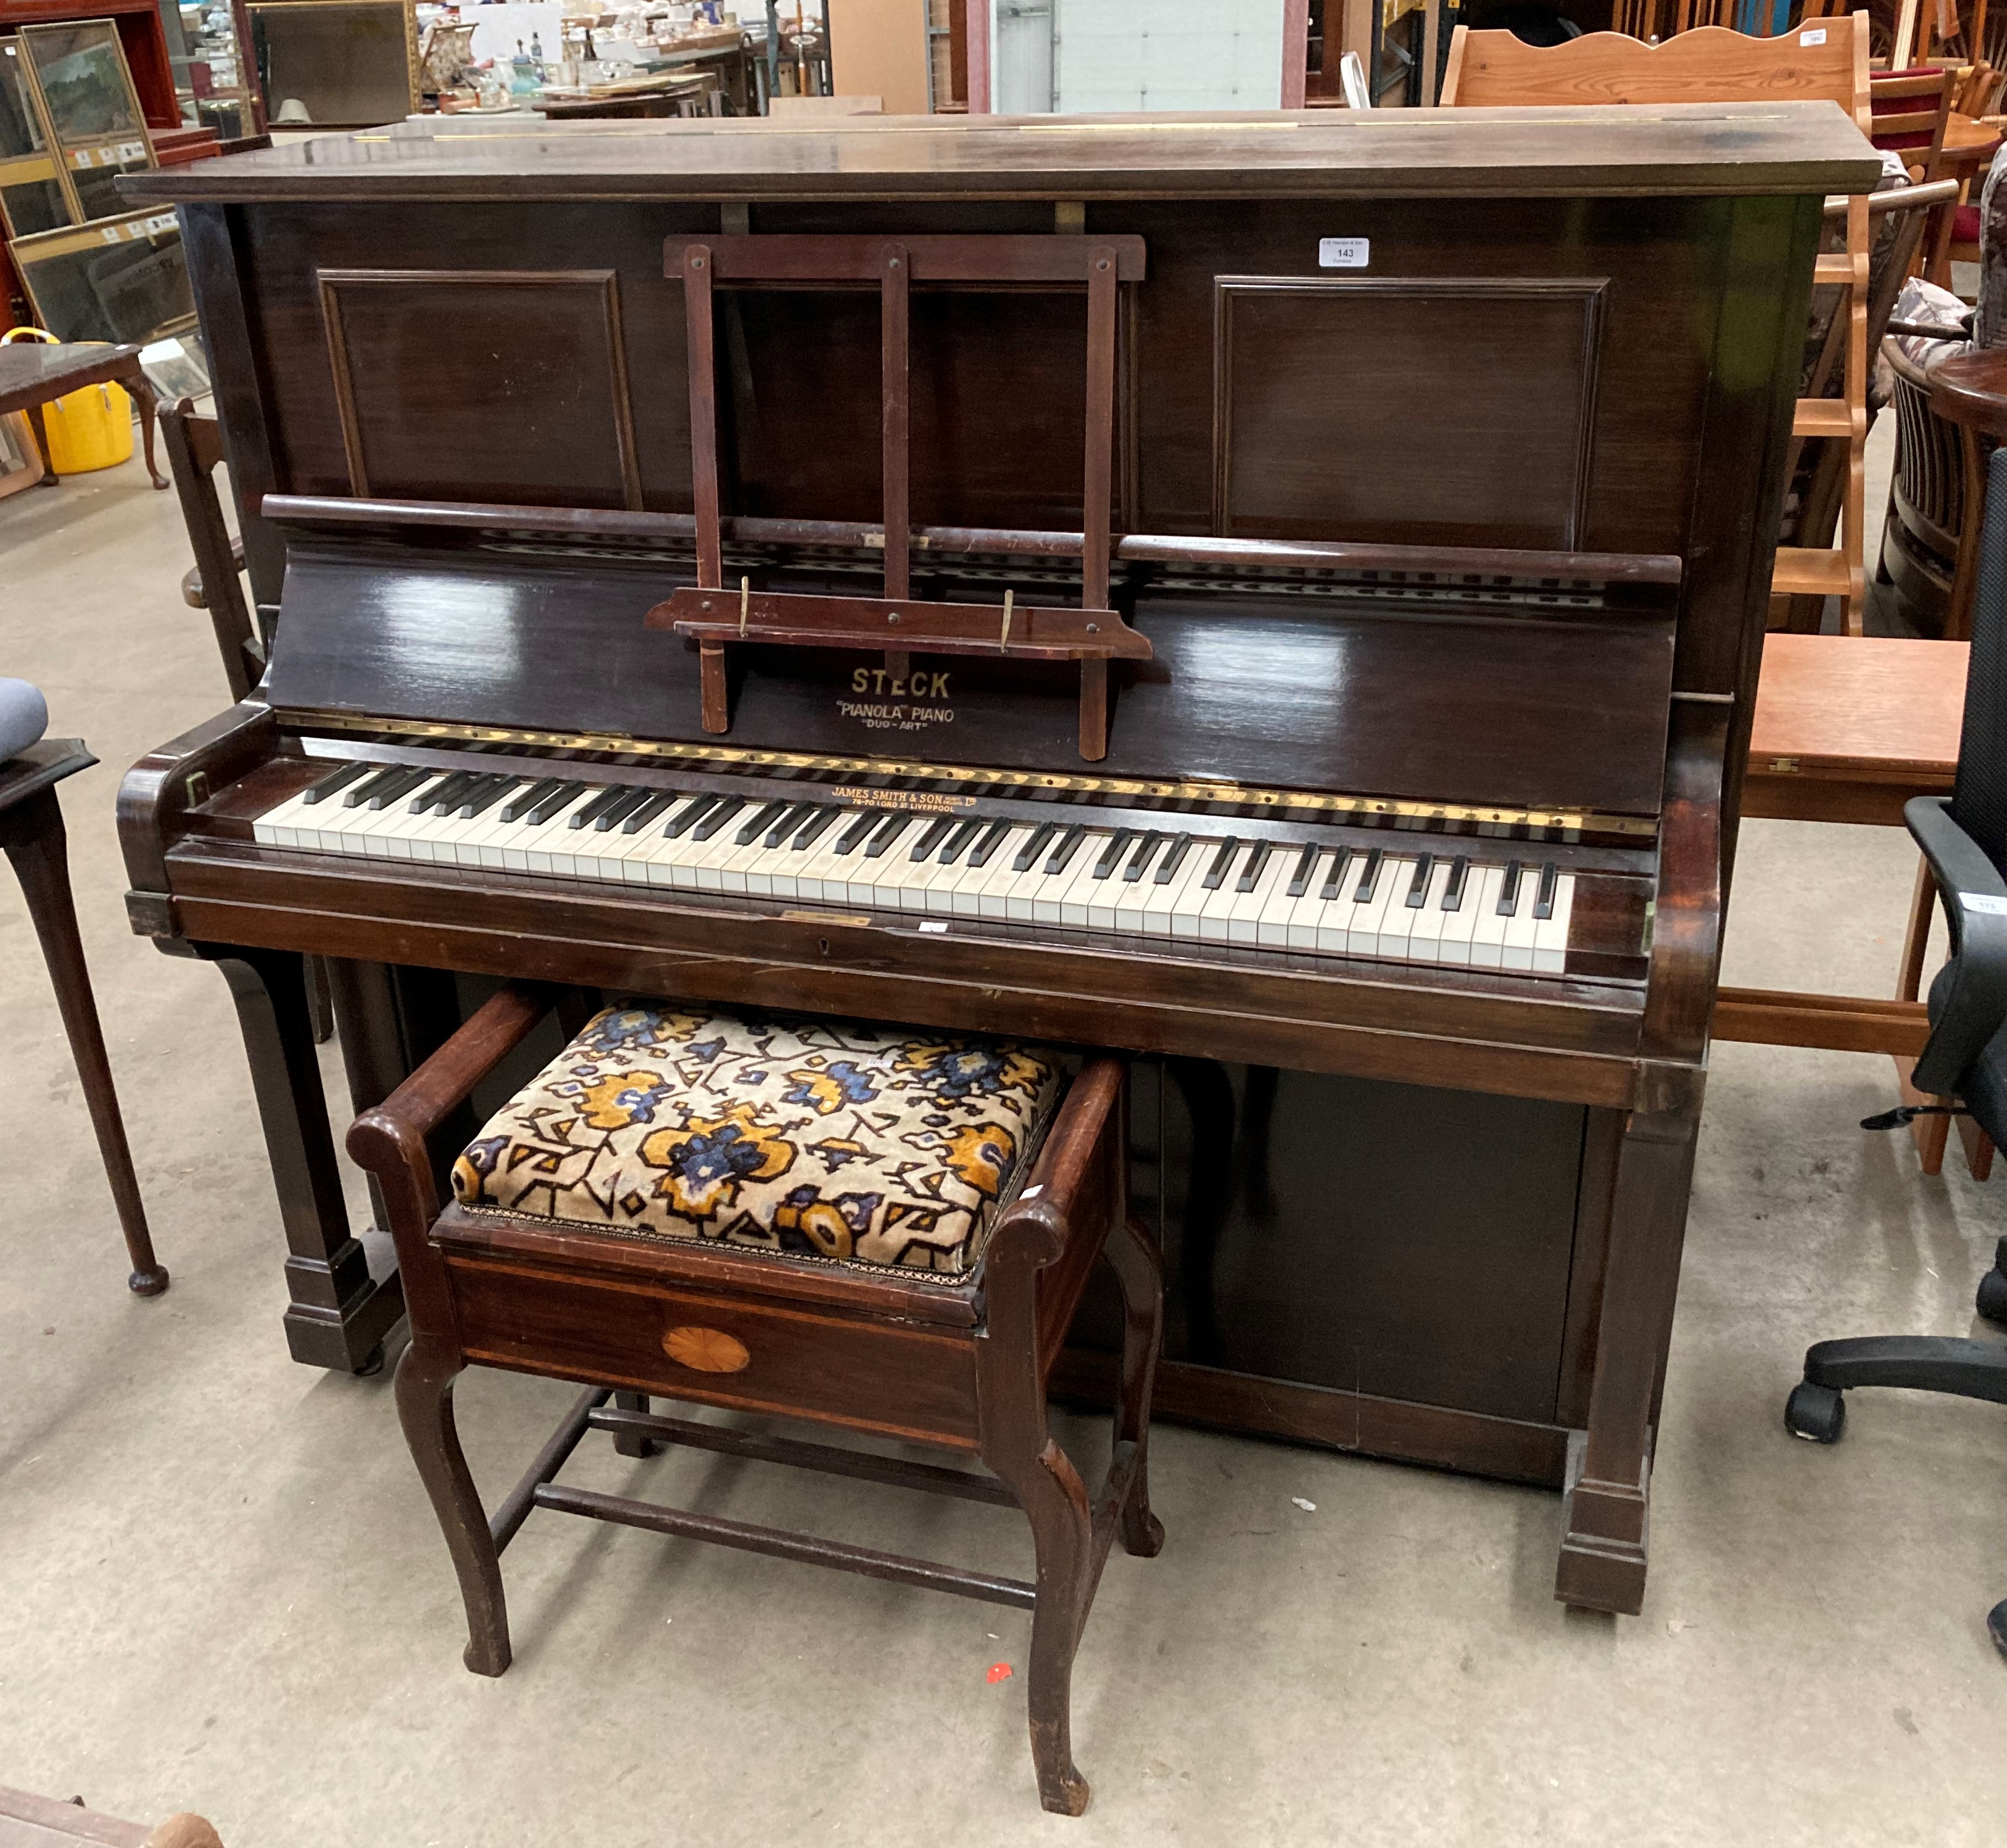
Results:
<point x="1369" y="408"/>
<point x="478" y="384"/>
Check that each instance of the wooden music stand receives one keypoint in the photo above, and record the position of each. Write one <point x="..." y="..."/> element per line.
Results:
<point x="898" y="624"/>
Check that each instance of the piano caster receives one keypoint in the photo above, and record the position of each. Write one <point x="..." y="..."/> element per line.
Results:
<point x="1816" y="1413"/>
<point x="371" y="1364"/>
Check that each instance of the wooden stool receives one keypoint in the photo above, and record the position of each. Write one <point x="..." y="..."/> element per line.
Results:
<point x="31" y="831"/>
<point x="877" y="1229"/>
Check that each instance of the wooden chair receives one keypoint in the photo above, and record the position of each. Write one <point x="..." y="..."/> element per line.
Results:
<point x="1816" y="472"/>
<point x="195" y="448"/>
<point x="1712" y="64"/>
<point x="824" y="1223"/>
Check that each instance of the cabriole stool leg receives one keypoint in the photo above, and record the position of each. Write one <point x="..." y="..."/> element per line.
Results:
<point x="424" y="1408"/>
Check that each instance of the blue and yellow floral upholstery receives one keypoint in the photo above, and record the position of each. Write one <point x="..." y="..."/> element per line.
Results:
<point x="845" y="1143"/>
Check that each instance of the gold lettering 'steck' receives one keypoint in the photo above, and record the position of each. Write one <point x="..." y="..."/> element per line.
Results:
<point x="881" y="680"/>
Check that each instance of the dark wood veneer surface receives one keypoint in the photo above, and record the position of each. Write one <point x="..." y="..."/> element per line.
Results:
<point x="1729" y="147"/>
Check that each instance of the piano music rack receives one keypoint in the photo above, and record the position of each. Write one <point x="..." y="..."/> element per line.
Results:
<point x="897" y="624"/>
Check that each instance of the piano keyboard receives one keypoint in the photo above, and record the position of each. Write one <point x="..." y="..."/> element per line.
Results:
<point x="1127" y="872"/>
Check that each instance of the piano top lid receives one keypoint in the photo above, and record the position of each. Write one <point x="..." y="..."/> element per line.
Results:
<point x="1684" y="149"/>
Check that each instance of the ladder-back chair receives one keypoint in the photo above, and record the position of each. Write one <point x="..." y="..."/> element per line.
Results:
<point x="1712" y="64"/>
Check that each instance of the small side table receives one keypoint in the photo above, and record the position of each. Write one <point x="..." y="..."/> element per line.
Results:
<point x="31" y="830"/>
<point x="33" y="374"/>
<point x="1848" y="728"/>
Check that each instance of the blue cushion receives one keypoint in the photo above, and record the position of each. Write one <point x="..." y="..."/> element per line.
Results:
<point x="24" y="717"/>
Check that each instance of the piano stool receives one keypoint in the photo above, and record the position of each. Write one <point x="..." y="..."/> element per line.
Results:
<point x="31" y="831"/>
<point x="1848" y="728"/>
<point x="855" y="1227"/>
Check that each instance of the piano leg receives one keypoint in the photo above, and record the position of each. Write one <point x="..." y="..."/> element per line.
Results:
<point x="1606" y="1502"/>
<point x="338" y="1315"/>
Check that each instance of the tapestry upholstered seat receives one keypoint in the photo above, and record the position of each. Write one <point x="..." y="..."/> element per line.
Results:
<point x="850" y="1144"/>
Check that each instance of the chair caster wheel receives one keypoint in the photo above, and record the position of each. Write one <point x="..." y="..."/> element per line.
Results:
<point x="1817" y="1413"/>
<point x="1992" y="1301"/>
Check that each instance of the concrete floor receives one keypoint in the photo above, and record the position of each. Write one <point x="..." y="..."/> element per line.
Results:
<point x="221" y="1588"/>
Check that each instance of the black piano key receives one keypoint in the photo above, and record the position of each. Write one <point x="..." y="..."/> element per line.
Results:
<point x="1334" y="880"/>
<point x="1065" y="848"/>
<point x="443" y="795"/>
<point x="684" y="819"/>
<point x="932" y="835"/>
<point x="337" y="780"/>
<point x="867" y="819"/>
<point x="1459" y="872"/>
<point x="1418" y="886"/>
<point x="1173" y="860"/>
<point x="1543" y="900"/>
<point x="1111" y="855"/>
<point x="641" y="817"/>
<point x="610" y="817"/>
<point x="889" y="830"/>
<point x="596" y="807"/>
<point x="980" y="854"/>
<point x="762" y="819"/>
<point x="799" y="815"/>
<point x="480" y="801"/>
<point x="951" y="847"/>
<point x="1033" y="847"/>
<point x="713" y="823"/>
<point x="1139" y="861"/>
<point x="394" y="773"/>
<point x="1216" y="872"/>
<point x="524" y="800"/>
<point x="1508" y="892"/>
<point x="556" y="803"/>
<point x="1369" y="877"/>
<point x="592" y="810"/>
<point x="1255" y="861"/>
<point x="1299" y="879"/>
<point x="400" y="786"/>
<point x="817" y="825"/>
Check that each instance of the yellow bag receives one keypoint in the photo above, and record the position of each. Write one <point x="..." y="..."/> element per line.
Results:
<point x="89" y="429"/>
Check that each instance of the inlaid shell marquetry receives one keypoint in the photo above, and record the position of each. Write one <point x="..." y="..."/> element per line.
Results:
<point x="705" y="1350"/>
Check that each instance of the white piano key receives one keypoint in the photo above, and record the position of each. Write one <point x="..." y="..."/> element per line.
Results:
<point x="1050" y="891"/>
<point x="1550" y="935"/>
<point x="1272" y="927"/>
<point x="1522" y="927"/>
<point x="1244" y="920"/>
<point x="1425" y="932"/>
<point x="997" y="872"/>
<point x="1397" y="921"/>
<point x="276" y="826"/>
<point x="549" y="841"/>
<point x="1362" y="935"/>
<point x="1487" y="933"/>
<point x="1453" y="942"/>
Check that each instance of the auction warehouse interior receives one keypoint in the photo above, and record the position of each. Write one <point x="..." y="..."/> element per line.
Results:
<point x="995" y="921"/>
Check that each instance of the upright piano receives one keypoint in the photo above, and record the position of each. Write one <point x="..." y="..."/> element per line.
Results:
<point x="1278" y="594"/>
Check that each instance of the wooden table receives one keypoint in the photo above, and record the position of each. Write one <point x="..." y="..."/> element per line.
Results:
<point x="31" y="831"/>
<point x="32" y="373"/>
<point x="1848" y="728"/>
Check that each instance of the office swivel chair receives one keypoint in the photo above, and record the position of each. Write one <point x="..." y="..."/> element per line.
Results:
<point x="1964" y="838"/>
